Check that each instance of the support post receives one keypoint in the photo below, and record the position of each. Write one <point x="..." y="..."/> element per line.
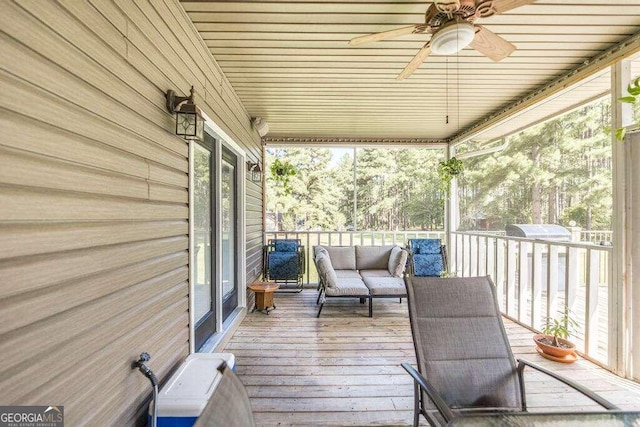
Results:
<point x="451" y="206"/>
<point x="632" y="282"/>
<point x="624" y="325"/>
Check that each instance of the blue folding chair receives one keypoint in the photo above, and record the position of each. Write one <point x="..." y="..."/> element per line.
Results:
<point x="428" y="257"/>
<point x="284" y="262"/>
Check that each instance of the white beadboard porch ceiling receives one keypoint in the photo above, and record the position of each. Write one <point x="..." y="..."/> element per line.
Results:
<point x="290" y="62"/>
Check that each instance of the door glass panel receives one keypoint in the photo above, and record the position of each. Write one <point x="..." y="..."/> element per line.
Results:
<point x="202" y="229"/>
<point x="229" y="230"/>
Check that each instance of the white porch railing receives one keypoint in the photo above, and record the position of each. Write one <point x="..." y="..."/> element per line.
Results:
<point x="596" y="236"/>
<point x="347" y="238"/>
<point x="535" y="279"/>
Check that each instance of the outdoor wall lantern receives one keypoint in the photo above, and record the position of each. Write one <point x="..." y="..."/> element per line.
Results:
<point x="189" y="120"/>
<point x="255" y="171"/>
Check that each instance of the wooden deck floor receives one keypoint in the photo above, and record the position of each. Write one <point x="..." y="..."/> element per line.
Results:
<point x="344" y="368"/>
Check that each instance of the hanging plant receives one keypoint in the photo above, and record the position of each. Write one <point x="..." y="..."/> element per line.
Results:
<point x="447" y="170"/>
<point x="282" y="171"/>
<point x="634" y="92"/>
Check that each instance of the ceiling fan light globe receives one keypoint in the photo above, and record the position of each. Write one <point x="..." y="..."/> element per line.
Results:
<point x="452" y="39"/>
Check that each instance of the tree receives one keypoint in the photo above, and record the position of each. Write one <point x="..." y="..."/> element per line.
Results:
<point x="556" y="172"/>
<point x="396" y="189"/>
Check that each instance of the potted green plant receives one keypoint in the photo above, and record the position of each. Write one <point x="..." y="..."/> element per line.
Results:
<point x="633" y="91"/>
<point x="554" y="341"/>
<point x="282" y="171"/>
<point x="447" y="170"/>
<point x="447" y="274"/>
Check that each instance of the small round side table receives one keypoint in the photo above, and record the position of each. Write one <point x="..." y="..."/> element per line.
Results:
<point x="264" y="296"/>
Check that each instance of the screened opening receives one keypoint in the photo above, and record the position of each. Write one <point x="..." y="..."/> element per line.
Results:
<point x="353" y="189"/>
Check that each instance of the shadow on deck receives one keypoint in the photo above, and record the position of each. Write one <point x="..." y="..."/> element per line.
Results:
<point x="344" y="368"/>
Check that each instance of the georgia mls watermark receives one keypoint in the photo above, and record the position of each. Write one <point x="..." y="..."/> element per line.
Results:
<point x="31" y="416"/>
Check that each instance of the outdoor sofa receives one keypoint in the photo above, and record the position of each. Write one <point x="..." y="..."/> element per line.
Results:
<point x="364" y="272"/>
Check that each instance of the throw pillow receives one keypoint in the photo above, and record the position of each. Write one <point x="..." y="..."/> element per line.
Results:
<point x="326" y="271"/>
<point x="397" y="261"/>
<point x="317" y="250"/>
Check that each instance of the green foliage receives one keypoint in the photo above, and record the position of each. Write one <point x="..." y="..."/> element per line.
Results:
<point x="282" y="171"/>
<point x="560" y="327"/>
<point x="445" y="274"/>
<point x="396" y="189"/>
<point x="633" y="89"/>
<point x="554" y="172"/>
<point x="202" y="189"/>
<point x="447" y="170"/>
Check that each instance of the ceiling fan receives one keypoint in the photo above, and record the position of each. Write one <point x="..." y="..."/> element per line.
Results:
<point x="451" y="23"/>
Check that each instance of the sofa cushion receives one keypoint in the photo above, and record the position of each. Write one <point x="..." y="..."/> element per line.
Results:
<point x="347" y="274"/>
<point x="342" y="257"/>
<point x="427" y="265"/>
<point x="348" y="287"/>
<point x="326" y="271"/>
<point x="372" y="257"/>
<point x="385" y="285"/>
<point x="317" y="250"/>
<point x="397" y="261"/>
<point x="375" y="273"/>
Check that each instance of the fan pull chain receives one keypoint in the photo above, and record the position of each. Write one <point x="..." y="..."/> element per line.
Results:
<point x="458" y="83"/>
<point x="446" y="88"/>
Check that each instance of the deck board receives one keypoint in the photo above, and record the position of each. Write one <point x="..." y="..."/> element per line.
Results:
<point x="343" y="369"/>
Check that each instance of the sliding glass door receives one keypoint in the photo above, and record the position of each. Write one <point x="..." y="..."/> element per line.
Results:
<point x="229" y="232"/>
<point x="202" y="248"/>
<point x="215" y="242"/>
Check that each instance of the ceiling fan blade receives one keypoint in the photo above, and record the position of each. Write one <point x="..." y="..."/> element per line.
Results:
<point x="417" y="60"/>
<point x="402" y="31"/>
<point x="501" y="6"/>
<point x="491" y="45"/>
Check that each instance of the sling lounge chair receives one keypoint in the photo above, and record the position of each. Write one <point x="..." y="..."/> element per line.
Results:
<point x="428" y="257"/>
<point x="229" y="405"/>
<point x="465" y="363"/>
<point x="284" y="262"/>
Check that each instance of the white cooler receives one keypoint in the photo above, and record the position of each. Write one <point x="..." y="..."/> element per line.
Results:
<point x="184" y="396"/>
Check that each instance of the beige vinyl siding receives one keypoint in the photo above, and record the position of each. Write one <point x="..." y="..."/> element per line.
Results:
<point x="94" y="199"/>
<point x="253" y="229"/>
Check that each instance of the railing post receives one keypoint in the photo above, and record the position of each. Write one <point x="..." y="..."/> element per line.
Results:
<point x="473" y="255"/>
<point x="490" y="257"/>
<point x="571" y="274"/>
<point x="536" y="286"/>
<point x="461" y="254"/>
<point x="499" y="269"/>
<point x="523" y="278"/>
<point x="511" y="275"/>
<point x="552" y="280"/>
<point x="481" y="269"/>
<point x="591" y="303"/>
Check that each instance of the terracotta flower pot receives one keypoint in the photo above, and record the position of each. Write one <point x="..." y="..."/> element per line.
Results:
<point x="552" y="350"/>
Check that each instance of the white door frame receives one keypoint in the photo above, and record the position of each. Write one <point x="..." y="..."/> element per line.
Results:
<point x="223" y="329"/>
